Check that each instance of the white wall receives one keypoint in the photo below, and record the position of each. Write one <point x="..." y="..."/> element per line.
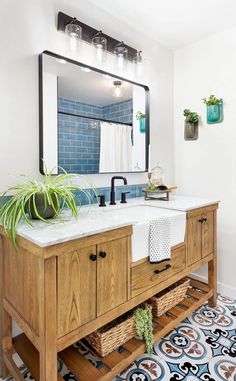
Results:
<point x="207" y="167"/>
<point x="32" y="29"/>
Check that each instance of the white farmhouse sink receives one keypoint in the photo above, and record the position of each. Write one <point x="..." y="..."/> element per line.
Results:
<point x="140" y="216"/>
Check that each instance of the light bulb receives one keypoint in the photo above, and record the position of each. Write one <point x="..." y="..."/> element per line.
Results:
<point x="74" y="31"/>
<point x="138" y="62"/>
<point x="73" y="43"/>
<point x="99" y="53"/>
<point x="121" y="61"/>
<point x="121" y="54"/>
<point x="99" y="42"/>
<point x="118" y="91"/>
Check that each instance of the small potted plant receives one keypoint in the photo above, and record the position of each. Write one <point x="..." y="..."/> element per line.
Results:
<point x="41" y="200"/>
<point x="141" y="117"/>
<point x="191" y="125"/>
<point x="144" y="326"/>
<point x="214" y="109"/>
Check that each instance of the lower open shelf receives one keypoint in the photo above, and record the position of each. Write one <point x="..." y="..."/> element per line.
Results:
<point x="116" y="362"/>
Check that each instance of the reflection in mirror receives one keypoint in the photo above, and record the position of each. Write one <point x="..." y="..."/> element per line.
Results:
<point x="88" y="120"/>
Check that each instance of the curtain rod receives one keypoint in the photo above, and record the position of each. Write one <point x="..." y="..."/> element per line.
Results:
<point x="94" y="118"/>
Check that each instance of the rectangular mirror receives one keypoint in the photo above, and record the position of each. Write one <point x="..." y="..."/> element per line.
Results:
<point x="90" y="120"/>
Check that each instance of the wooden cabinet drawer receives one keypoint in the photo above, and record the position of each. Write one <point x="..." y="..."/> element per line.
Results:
<point x="144" y="277"/>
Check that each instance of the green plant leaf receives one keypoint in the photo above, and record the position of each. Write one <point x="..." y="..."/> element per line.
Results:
<point x="144" y="326"/>
<point x="58" y="192"/>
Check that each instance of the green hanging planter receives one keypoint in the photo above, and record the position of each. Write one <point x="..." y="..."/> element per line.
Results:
<point x="142" y="121"/>
<point x="142" y="125"/>
<point x="214" y="109"/>
<point x="215" y="113"/>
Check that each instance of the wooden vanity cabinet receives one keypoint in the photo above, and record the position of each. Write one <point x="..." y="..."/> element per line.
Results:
<point x="61" y="293"/>
<point x="200" y="233"/>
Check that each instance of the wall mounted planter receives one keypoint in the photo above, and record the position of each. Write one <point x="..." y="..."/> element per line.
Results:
<point x="142" y="123"/>
<point x="215" y="113"/>
<point x="191" y="131"/>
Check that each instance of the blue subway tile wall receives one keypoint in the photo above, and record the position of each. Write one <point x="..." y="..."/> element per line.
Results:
<point x="120" y="111"/>
<point x="78" y="142"/>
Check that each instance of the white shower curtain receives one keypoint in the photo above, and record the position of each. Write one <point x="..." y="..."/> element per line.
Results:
<point x="115" y="148"/>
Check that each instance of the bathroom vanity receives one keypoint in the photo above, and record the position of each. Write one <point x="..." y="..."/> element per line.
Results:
<point x="62" y="284"/>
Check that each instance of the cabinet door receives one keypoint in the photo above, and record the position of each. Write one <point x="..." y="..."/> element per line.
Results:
<point x="111" y="275"/>
<point x="207" y="233"/>
<point x="194" y="239"/>
<point x="76" y="289"/>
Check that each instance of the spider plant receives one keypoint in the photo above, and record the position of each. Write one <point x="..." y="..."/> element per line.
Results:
<point x="41" y="200"/>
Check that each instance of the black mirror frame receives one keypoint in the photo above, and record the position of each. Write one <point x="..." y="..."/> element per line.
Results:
<point x="147" y="107"/>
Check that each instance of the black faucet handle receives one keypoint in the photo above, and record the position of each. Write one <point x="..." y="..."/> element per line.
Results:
<point x="123" y="197"/>
<point x="102" y="198"/>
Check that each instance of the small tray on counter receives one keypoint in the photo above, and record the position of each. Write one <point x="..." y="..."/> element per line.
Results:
<point x="157" y="194"/>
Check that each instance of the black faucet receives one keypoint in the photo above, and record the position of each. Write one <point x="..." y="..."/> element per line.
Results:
<point x="113" y="194"/>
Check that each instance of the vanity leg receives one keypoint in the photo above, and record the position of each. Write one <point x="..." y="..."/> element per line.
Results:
<point x="48" y="350"/>
<point x="212" y="269"/>
<point x="6" y="339"/>
<point x="4" y="323"/>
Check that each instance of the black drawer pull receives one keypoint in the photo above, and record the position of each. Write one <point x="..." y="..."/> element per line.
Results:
<point x="93" y="257"/>
<point x="161" y="270"/>
<point x="103" y="254"/>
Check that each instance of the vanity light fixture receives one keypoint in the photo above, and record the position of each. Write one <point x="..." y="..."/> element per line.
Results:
<point x="118" y="91"/>
<point x="138" y="62"/>
<point x="74" y="31"/>
<point x="99" y="43"/>
<point x="121" y="54"/>
<point x="102" y="42"/>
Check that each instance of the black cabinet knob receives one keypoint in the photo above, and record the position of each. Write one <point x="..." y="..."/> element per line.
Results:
<point x="204" y="219"/>
<point x="103" y="254"/>
<point x="93" y="257"/>
<point x="201" y="220"/>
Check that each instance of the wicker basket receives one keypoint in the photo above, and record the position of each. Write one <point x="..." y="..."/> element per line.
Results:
<point x="168" y="298"/>
<point x="108" y="338"/>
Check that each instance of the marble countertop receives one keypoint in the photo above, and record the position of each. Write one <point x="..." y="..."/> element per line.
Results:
<point x="183" y="203"/>
<point x="94" y="220"/>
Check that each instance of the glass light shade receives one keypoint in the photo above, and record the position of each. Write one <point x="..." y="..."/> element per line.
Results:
<point x="118" y="90"/>
<point x="99" y="43"/>
<point x="138" y="62"/>
<point x="74" y="31"/>
<point x="121" y="54"/>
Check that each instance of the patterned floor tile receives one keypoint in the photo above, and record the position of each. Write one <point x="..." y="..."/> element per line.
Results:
<point x="230" y="305"/>
<point x="189" y="371"/>
<point x="146" y="368"/>
<point x="185" y="341"/>
<point x="223" y="369"/>
<point x="207" y="317"/>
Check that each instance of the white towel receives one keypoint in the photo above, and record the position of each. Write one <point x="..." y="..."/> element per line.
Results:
<point x="159" y="241"/>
